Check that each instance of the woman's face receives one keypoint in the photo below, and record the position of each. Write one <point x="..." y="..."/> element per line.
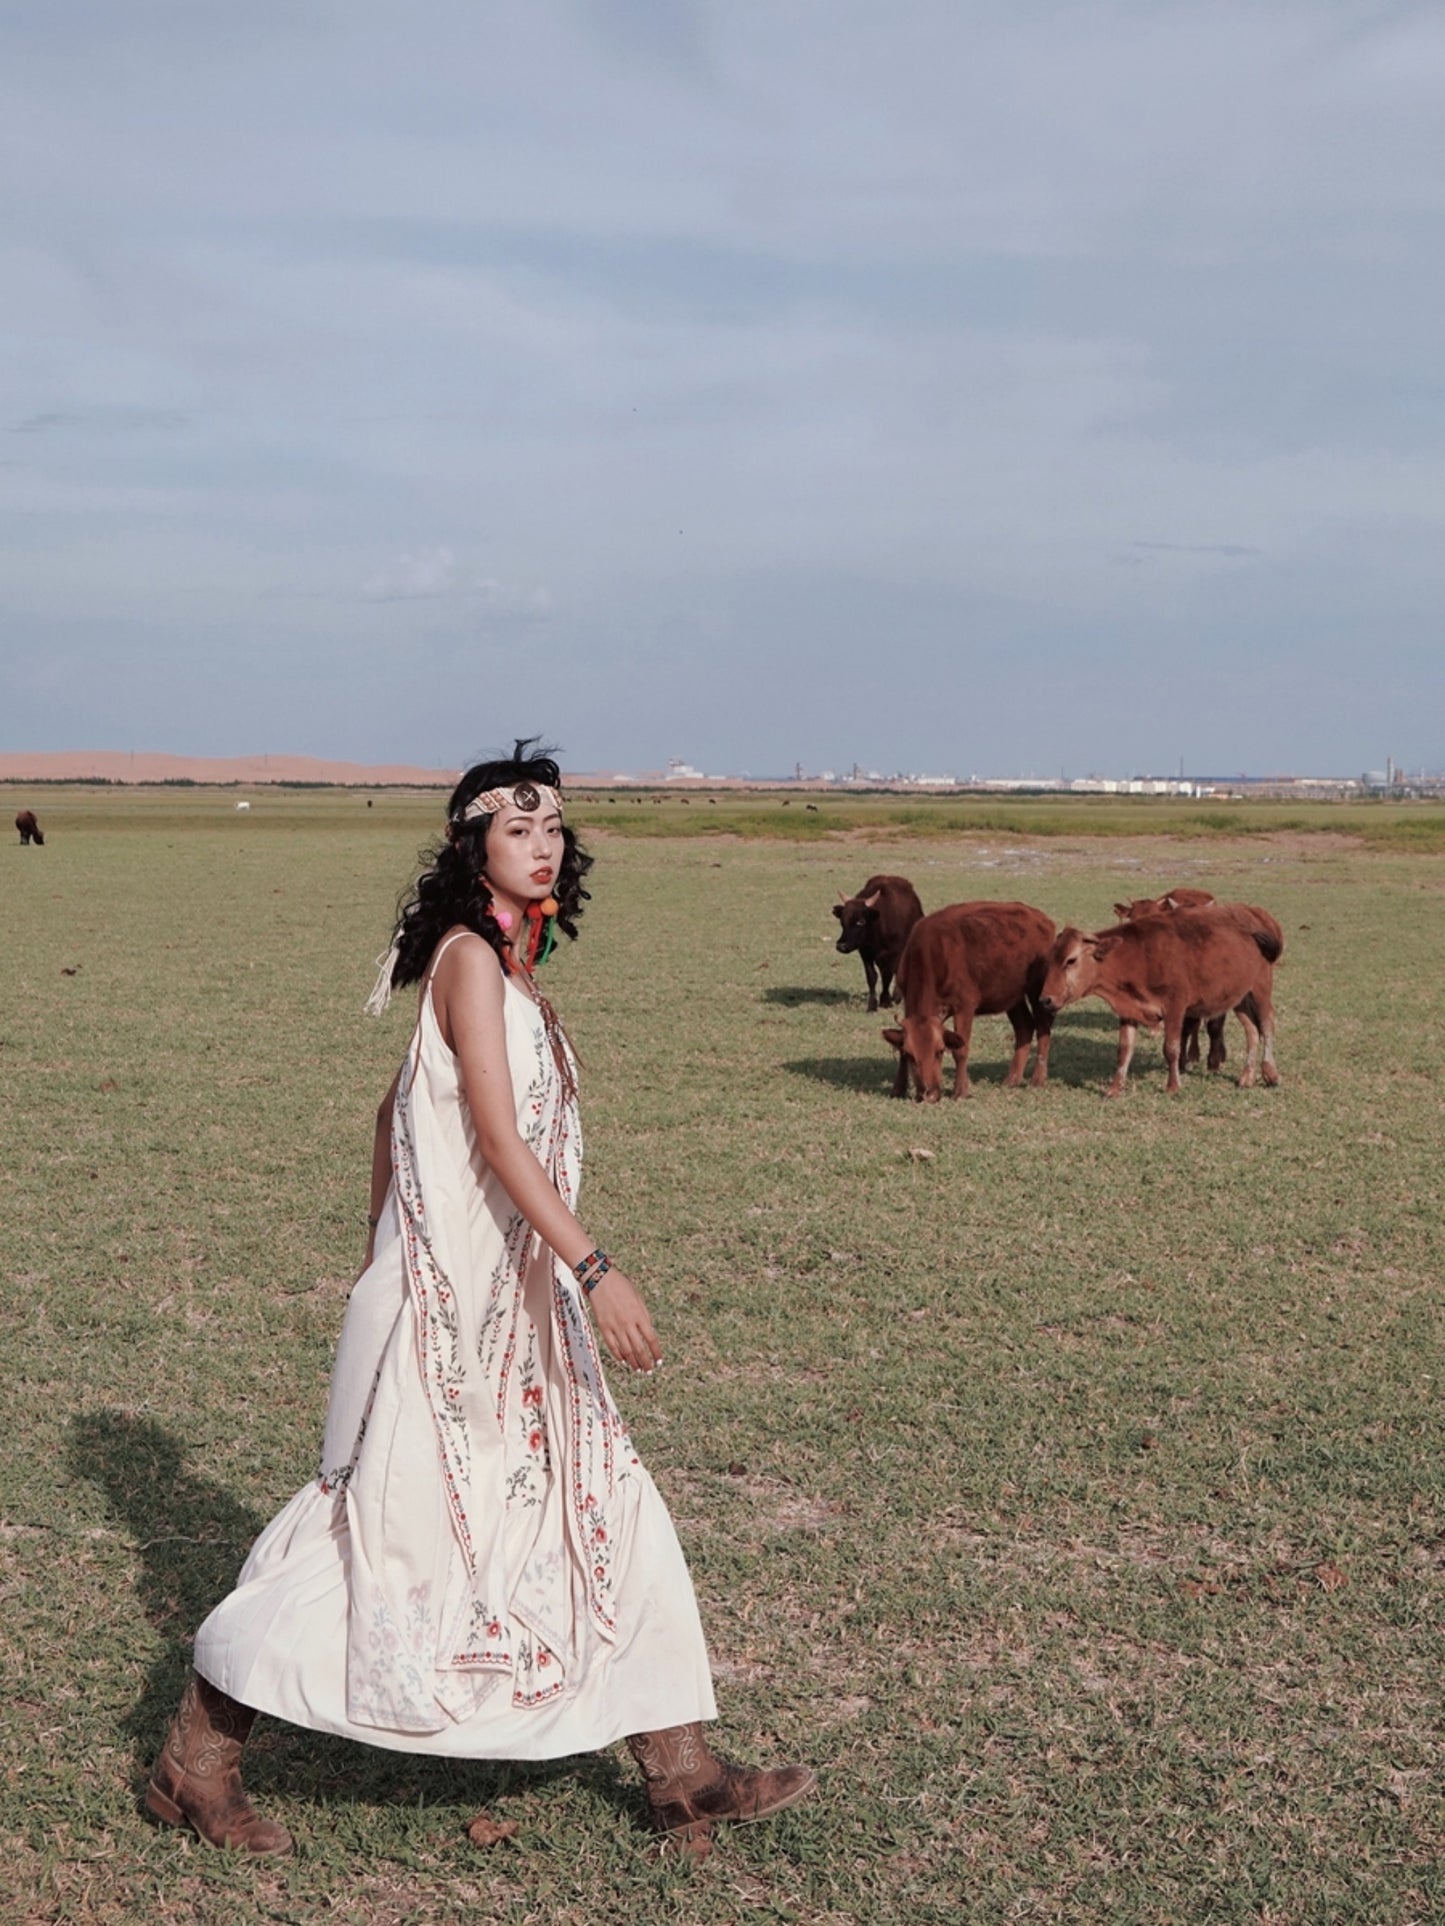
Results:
<point x="524" y="853"/>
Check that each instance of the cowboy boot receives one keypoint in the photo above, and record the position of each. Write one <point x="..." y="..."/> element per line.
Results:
<point x="688" y="1788"/>
<point x="196" y="1781"/>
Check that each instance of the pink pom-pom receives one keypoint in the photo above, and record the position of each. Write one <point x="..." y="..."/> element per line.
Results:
<point x="502" y="918"/>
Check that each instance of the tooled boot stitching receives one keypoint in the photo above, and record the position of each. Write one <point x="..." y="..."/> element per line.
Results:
<point x="197" y="1779"/>
<point x="689" y="1788"/>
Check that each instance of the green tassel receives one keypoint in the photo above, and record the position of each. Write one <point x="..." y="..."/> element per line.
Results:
<point x="548" y="941"/>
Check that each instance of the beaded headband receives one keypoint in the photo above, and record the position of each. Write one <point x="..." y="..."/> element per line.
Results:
<point x="526" y="796"/>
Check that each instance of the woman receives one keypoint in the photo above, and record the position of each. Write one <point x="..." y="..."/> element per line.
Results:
<point x="483" y="1568"/>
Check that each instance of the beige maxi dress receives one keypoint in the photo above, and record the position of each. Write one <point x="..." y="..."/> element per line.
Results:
<point x="483" y="1568"/>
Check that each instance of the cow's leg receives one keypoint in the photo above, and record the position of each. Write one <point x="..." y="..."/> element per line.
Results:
<point x="900" y="1079"/>
<point x="1189" y="1051"/>
<point x="1023" y="1029"/>
<point x="964" y="1026"/>
<point x="1173" y="1049"/>
<point x="1217" y="1051"/>
<point x="1246" y="1012"/>
<point x="1264" y="1016"/>
<point x="885" y="982"/>
<point x="872" y="975"/>
<point x="1128" y="1035"/>
<point x="1044" y="1031"/>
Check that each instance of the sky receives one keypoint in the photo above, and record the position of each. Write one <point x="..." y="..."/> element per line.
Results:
<point x="942" y="386"/>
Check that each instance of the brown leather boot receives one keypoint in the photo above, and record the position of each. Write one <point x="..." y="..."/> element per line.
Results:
<point x="196" y="1781"/>
<point x="689" y="1789"/>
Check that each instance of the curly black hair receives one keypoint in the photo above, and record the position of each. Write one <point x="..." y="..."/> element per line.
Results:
<point x="450" y="889"/>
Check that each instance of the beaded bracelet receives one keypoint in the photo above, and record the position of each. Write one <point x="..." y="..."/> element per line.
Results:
<point x="590" y="1270"/>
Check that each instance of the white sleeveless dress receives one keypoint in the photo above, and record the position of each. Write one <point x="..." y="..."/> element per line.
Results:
<point x="483" y="1568"/>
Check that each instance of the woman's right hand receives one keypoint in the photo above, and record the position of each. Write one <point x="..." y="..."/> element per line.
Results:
<point x="623" y="1323"/>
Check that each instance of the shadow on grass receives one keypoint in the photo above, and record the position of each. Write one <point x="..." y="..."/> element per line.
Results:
<point x="793" y="996"/>
<point x="1075" y="1062"/>
<point x="192" y="1536"/>
<point x="190" y="1533"/>
<point x="1086" y="1016"/>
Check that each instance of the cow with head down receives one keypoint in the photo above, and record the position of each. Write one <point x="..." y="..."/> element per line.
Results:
<point x="1165" y="968"/>
<point x="876" y="923"/>
<point x="30" y="830"/>
<point x="971" y="960"/>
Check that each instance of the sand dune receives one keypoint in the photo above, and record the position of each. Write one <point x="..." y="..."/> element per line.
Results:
<point x="119" y="765"/>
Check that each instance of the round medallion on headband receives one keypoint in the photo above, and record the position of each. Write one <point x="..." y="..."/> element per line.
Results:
<point x="524" y="796"/>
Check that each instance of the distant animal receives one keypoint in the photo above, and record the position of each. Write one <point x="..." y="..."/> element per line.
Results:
<point x="1249" y="916"/>
<point x="30" y="830"/>
<point x="1161" y="969"/>
<point x="1171" y="899"/>
<point x="876" y="923"/>
<point x="243" y="805"/>
<point x="966" y="961"/>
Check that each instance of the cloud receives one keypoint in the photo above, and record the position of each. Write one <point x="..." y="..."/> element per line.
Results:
<point x="104" y="420"/>
<point x="1234" y="551"/>
<point x="825" y="336"/>
<point x="498" y="598"/>
<point x="418" y="577"/>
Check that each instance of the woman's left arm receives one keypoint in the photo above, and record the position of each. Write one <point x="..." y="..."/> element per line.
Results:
<point x="380" y="1167"/>
<point x="468" y="988"/>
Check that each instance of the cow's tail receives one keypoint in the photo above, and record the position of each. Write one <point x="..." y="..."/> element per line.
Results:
<point x="1270" y="947"/>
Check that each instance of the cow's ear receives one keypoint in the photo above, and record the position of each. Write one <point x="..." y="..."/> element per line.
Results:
<point x="1100" y="946"/>
<point x="1121" y="910"/>
<point x="838" y="911"/>
<point x="871" y="902"/>
<point x="894" y="1036"/>
<point x="952" y="1040"/>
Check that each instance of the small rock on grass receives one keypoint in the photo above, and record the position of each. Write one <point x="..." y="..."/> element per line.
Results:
<point x="486" y="1831"/>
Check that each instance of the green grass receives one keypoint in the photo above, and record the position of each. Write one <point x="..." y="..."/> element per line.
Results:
<point x="1418" y="826"/>
<point x="1070" y="1494"/>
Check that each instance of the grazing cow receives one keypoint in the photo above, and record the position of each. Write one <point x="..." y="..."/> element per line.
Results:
<point x="30" y="830"/>
<point x="876" y="923"/>
<point x="972" y="959"/>
<point x="1164" y="968"/>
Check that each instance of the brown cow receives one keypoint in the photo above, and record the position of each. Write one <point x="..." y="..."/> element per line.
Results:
<point x="876" y="922"/>
<point x="1164" y="968"/>
<point x="972" y="959"/>
<point x="1172" y="899"/>
<point x="30" y="830"/>
<point x="1179" y="899"/>
<point x="1249" y="916"/>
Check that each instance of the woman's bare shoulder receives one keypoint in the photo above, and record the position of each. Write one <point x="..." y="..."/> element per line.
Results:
<point x="467" y="968"/>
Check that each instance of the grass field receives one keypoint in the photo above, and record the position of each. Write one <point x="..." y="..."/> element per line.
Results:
<point x="1063" y="1478"/>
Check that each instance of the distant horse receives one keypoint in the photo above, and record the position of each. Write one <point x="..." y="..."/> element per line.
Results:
<point x="30" y="830"/>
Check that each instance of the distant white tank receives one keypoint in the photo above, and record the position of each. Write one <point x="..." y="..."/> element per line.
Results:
<point x="243" y="805"/>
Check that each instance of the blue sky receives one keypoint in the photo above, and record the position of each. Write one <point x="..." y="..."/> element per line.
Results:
<point x="957" y="387"/>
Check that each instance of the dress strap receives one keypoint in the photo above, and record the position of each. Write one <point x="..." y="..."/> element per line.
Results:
<point x="436" y="956"/>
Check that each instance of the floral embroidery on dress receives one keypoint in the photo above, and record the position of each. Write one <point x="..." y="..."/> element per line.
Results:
<point x="479" y="1351"/>
<point x="337" y="1477"/>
